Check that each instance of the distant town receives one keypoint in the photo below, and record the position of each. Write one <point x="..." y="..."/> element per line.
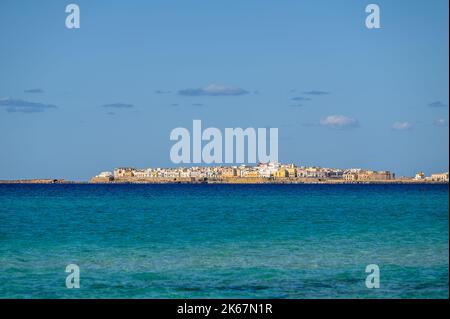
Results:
<point x="260" y="173"/>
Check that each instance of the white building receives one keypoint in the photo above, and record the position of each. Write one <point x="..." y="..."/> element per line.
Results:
<point x="441" y="177"/>
<point x="105" y="175"/>
<point x="419" y="176"/>
<point x="267" y="170"/>
<point x="140" y="173"/>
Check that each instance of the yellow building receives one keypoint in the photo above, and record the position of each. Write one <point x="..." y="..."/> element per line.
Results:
<point x="228" y="172"/>
<point x="251" y="174"/>
<point x="291" y="172"/>
<point x="124" y="172"/>
<point x="281" y="173"/>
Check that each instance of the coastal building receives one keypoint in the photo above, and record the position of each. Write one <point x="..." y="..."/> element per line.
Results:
<point x="292" y="172"/>
<point x="365" y="175"/>
<point x="335" y="174"/>
<point x="441" y="177"/>
<point x="250" y="173"/>
<point x="375" y="175"/>
<point x="229" y="172"/>
<point x="301" y="172"/>
<point x="195" y="174"/>
<point x="383" y="176"/>
<point x="419" y="176"/>
<point x="350" y="176"/>
<point x="105" y="175"/>
<point x="267" y="170"/>
<point x="169" y="173"/>
<point x="124" y="172"/>
<point x="311" y="172"/>
<point x="185" y="173"/>
<point x="281" y="173"/>
<point x="140" y="173"/>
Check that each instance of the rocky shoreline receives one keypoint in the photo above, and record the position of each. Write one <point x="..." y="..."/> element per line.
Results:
<point x="35" y="181"/>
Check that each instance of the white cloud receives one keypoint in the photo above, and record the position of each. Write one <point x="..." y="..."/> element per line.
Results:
<point x="402" y="126"/>
<point x="339" y="121"/>
<point x="441" y="122"/>
<point x="214" y="90"/>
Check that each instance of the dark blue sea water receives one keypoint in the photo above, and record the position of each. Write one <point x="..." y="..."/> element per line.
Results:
<point x="230" y="241"/>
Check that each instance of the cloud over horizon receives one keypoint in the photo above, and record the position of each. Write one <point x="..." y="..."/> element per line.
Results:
<point x="402" y="126"/>
<point x="437" y="104"/>
<point x="301" y="98"/>
<point x="22" y="106"/>
<point x="339" y="122"/>
<point x="162" y="92"/>
<point x="118" y="105"/>
<point x="316" y="92"/>
<point x="214" y="90"/>
<point x="34" y="91"/>
<point x="441" y="122"/>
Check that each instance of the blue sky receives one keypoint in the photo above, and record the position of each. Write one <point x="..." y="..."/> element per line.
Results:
<point x="76" y="102"/>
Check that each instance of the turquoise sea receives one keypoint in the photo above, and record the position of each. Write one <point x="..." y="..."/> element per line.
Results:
<point x="224" y="241"/>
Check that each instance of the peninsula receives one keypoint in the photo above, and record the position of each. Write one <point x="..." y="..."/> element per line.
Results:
<point x="259" y="174"/>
